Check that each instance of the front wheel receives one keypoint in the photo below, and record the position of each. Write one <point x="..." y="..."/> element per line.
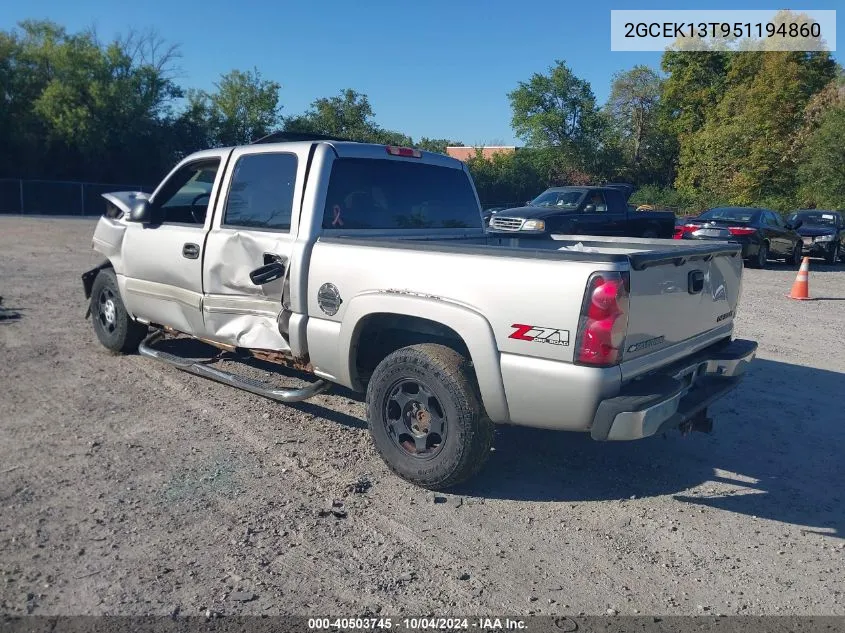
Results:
<point x="113" y="326"/>
<point x="762" y="256"/>
<point x="426" y="418"/>
<point x="832" y="256"/>
<point x="797" y="254"/>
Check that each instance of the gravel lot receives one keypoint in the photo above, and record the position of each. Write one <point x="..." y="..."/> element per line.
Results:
<point x="128" y="487"/>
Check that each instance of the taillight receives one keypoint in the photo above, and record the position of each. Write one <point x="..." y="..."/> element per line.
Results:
<point x="604" y="319"/>
<point x="741" y="230"/>
<point x="409" y="152"/>
<point x="682" y="230"/>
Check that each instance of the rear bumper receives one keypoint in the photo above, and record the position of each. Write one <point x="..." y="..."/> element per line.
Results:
<point x="674" y="395"/>
<point x="750" y="245"/>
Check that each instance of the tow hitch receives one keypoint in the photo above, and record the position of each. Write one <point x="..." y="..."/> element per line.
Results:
<point x="698" y="422"/>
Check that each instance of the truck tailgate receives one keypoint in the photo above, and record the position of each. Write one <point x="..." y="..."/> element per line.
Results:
<point x="678" y="296"/>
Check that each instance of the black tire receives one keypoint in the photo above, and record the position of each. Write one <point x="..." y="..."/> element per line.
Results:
<point x="832" y="256"/>
<point x="650" y="233"/>
<point x="797" y="255"/>
<point x="446" y="400"/>
<point x="762" y="256"/>
<point x="113" y="326"/>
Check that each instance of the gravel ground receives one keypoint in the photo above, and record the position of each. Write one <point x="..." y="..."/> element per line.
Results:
<point x="128" y="487"/>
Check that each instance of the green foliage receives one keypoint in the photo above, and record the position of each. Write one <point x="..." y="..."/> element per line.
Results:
<point x="554" y="110"/>
<point x="437" y="145"/>
<point x="641" y="135"/>
<point x="723" y="127"/>
<point x="348" y="115"/>
<point x="821" y="174"/>
<point x="506" y="178"/>
<point x="243" y="108"/>
<point x="742" y="150"/>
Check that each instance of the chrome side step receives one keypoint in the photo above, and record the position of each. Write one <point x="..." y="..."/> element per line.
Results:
<point x="240" y="382"/>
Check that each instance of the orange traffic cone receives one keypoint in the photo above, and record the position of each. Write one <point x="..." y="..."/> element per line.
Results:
<point x="801" y="287"/>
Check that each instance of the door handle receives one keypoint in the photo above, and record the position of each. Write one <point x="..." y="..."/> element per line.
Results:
<point x="191" y="251"/>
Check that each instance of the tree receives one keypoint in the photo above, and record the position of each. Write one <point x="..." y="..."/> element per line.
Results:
<point x="506" y="178"/>
<point x="831" y="96"/>
<point x="73" y="104"/>
<point x="633" y="101"/>
<point x="741" y="153"/>
<point x="821" y="175"/>
<point x="348" y="115"/>
<point x="243" y="107"/>
<point x="692" y="89"/>
<point x="554" y="110"/>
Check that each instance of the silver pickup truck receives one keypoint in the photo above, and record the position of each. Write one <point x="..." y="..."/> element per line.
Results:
<point x="368" y="266"/>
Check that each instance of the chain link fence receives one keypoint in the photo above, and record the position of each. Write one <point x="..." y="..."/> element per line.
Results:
<point x="57" y="197"/>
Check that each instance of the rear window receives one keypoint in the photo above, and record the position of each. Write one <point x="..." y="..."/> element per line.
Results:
<point x="732" y="214"/>
<point x="391" y="194"/>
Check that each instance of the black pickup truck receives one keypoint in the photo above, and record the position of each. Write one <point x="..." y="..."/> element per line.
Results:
<point x="583" y="210"/>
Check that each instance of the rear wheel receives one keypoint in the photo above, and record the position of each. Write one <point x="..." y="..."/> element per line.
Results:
<point x="833" y="254"/>
<point x="113" y="326"/>
<point x="426" y="418"/>
<point x="650" y="233"/>
<point x="797" y="254"/>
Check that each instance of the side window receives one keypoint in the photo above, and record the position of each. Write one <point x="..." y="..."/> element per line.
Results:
<point x="261" y="194"/>
<point x="772" y="219"/>
<point x="185" y="197"/>
<point x="596" y="198"/>
<point x="616" y="201"/>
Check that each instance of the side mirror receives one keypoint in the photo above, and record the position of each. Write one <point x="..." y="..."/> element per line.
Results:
<point x="141" y="212"/>
<point x="590" y="208"/>
<point x="267" y="273"/>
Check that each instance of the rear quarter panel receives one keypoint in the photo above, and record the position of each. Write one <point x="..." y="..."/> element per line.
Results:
<point x="473" y="294"/>
<point x="505" y="290"/>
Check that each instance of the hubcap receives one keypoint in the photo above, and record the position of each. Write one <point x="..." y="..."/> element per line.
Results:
<point x="107" y="312"/>
<point x="414" y="419"/>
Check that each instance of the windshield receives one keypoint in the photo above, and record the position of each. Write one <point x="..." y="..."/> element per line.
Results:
<point x="814" y="218"/>
<point x="729" y="213"/>
<point x="366" y="193"/>
<point x="563" y="199"/>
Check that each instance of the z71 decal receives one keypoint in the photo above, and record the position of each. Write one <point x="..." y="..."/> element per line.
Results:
<point x="537" y="334"/>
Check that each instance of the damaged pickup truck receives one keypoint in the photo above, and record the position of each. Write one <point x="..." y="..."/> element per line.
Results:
<point x="368" y="266"/>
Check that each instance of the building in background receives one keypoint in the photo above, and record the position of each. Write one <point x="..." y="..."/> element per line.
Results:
<point x="487" y="151"/>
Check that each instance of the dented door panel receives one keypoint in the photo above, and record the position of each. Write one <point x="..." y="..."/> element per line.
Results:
<point x="236" y="311"/>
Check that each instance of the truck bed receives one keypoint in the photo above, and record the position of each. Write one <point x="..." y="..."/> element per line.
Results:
<point x="639" y="253"/>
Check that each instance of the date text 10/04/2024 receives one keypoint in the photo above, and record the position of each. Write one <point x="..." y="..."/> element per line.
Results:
<point x="416" y="624"/>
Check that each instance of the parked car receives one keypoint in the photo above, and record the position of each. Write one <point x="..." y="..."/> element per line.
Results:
<point x="368" y="266"/>
<point x="762" y="233"/>
<point x="822" y="232"/>
<point x="587" y="210"/>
